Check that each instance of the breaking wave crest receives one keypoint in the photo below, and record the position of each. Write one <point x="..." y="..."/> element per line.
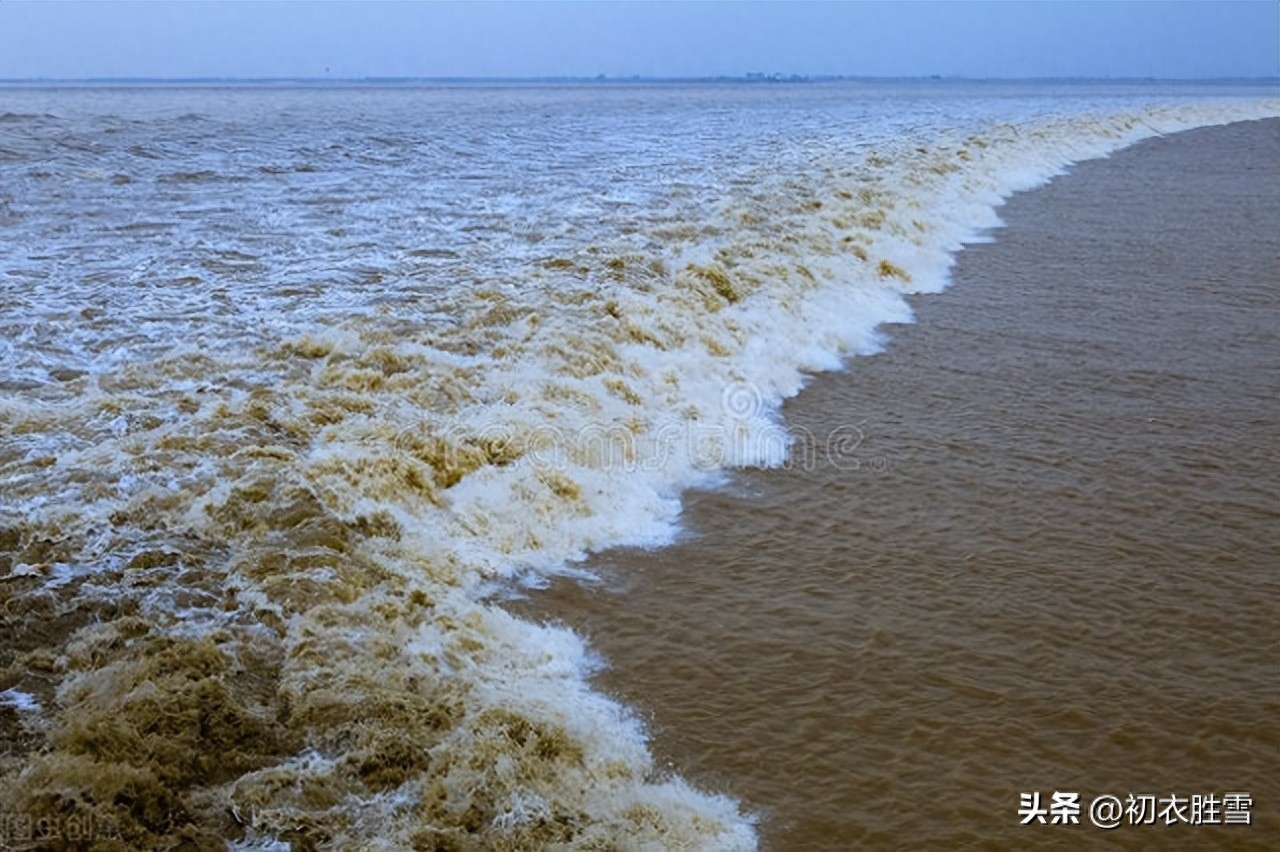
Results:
<point x="251" y="591"/>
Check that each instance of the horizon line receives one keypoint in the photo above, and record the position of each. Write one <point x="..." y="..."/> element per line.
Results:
<point x="750" y="77"/>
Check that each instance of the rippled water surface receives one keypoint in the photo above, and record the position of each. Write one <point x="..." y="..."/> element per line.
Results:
<point x="1043" y="556"/>
<point x="296" y="383"/>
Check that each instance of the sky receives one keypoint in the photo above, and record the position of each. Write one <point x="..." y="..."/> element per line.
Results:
<point x="301" y="38"/>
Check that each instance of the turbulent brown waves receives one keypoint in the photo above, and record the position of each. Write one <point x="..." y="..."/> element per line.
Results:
<point x="299" y="384"/>
<point x="1051" y="561"/>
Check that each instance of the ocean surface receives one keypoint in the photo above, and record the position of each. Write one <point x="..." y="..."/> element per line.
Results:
<point x="301" y="387"/>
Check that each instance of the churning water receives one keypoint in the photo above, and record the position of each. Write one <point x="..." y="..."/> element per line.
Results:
<point x="298" y="383"/>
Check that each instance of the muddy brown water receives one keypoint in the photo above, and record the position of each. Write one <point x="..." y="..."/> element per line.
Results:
<point x="1045" y="558"/>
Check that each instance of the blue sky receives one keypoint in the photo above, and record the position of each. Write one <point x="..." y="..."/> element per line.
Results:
<point x="493" y="39"/>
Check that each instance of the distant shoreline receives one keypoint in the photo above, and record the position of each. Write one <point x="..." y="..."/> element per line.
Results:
<point x="752" y="79"/>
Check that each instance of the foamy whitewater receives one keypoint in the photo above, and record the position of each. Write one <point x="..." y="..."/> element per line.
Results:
<point x="299" y="383"/>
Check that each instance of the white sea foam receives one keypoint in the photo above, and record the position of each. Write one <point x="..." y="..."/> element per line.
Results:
<point x="23" y="701"/>
<point x="306" y="390"/>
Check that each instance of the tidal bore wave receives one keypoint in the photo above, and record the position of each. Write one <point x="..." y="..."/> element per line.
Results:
<point x="255" y="526"/>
